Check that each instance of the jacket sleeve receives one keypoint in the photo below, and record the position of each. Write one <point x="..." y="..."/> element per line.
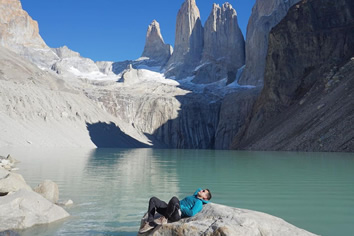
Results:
<point x="198" y="206"/>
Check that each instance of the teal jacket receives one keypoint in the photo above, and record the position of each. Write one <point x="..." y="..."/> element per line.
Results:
<point x="191" y="205"/>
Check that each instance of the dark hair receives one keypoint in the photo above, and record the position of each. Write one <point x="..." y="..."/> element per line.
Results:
<point x="209" y="194"/>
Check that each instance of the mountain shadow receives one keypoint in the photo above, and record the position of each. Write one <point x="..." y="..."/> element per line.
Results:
<point x="105" y="135"/>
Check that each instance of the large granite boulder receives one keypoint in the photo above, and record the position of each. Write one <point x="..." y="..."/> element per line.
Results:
<point x="265" y="15"/>
<point x="224" y="46"/>
<point x="217" y="219"/>
<point x="49" y="190"/>
<point x="11" y="182"/>
<point x="155" y="48"/>
<point x="188" y="41"/>
<point x="306" y="103"/>
<point x="25" y="208"/>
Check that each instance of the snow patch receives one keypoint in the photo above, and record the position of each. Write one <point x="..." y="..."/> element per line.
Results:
<point x="204" y="64"/>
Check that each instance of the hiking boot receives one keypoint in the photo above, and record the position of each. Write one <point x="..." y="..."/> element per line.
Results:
<point x="146" y="227"/>
<point x="160" y="221"/>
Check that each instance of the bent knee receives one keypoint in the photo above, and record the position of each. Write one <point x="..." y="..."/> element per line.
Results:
<point x="154" y="199"/>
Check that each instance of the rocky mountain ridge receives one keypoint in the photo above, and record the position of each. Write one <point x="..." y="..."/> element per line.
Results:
<point x="187" y="99"/>
<point x="210" y="53"/>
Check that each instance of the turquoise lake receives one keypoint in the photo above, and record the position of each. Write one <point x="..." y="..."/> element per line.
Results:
<point x="111" y="187"/>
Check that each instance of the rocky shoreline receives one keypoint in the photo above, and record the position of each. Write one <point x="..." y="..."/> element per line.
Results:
<point x="23" y="207"/>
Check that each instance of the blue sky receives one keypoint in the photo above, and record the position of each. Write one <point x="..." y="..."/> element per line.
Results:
<point x="114" y="30"/>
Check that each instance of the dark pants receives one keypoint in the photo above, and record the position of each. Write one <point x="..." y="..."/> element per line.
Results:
<point x="170" y="210"/>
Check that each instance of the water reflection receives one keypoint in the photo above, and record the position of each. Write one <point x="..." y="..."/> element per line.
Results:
<point x="132" y="177"/>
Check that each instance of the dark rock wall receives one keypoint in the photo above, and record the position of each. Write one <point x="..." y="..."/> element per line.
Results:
<point x="195" y="126"/>
<point x="306" y="103"/>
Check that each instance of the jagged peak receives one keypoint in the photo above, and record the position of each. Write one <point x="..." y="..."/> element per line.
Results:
<point x="154" y="31"/>
<point x="155" y="47"/>
<point x="155" y="23"/>
<point x="226" y="7"/>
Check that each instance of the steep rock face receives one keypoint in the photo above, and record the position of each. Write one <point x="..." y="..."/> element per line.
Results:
<point x="20" y="33"/>
<point x="155" y="48"/>
<point x="188" y="41"/>
<point x="265" y="15"/>
<point x="169" y="115"/>
<point x="234" y="110"/>
<point x="195" y="126"/>
<point x="224" y="45"/>
<point x="307" y="103"/>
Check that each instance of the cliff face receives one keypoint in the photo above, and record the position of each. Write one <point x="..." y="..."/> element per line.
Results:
<point x="20" y="33"/>
<point x="169" y="115"/>
<point x="265" y="15"/>
<point x="188" y="41"/>
<point x="17" y="27"/>
<point x="307" y="102"/>
<point x="224" y="46"/>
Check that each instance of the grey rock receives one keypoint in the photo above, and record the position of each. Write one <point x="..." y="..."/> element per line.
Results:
<point x="49" y="190"/>
<point x="11" y="182"/>
<point x="155" y="48"/>
<point x="25" y="208"/>
<point x="217" y="219"/>
<point x="188" y="41"/>
<point x="265" y="15"/>
<point x="66" y="203"/>
<point x="224" y="45"/>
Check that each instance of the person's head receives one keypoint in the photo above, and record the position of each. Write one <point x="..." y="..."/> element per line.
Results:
<point x="204" y="194"/>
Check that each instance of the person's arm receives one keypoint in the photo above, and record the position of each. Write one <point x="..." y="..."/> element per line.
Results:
<point x="198" y="206"/>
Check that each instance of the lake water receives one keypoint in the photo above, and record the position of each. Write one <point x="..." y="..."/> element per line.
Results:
<point x="111" y="187"/>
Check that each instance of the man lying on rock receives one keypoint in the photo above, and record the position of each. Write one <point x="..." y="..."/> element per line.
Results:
<point x="175" y="209"/>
